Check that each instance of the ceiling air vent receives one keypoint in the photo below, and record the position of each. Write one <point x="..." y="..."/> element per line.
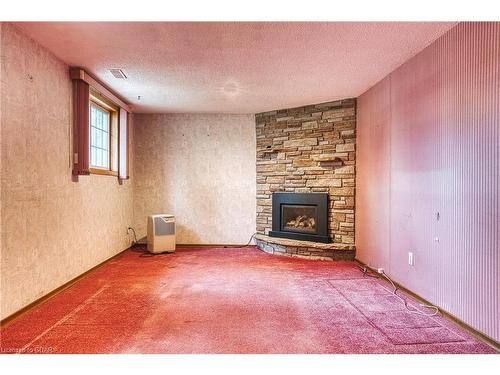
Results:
<point x="117" y="73"/>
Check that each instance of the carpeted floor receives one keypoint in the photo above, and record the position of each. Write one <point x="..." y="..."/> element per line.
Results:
<point x="215" y="300"/>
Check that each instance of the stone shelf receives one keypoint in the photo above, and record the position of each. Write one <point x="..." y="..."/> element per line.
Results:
<point x="327" y="158"/>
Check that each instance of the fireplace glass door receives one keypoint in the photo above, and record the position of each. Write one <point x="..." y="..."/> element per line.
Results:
<point x="298" y="218"/>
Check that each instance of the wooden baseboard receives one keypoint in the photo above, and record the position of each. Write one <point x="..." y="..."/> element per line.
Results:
<point x="213" y="245"/>
<point x="202" y="244"/>
<point x="9" y="319"/>
<point x="180" y="245"/>
<point x="480" y="336"/>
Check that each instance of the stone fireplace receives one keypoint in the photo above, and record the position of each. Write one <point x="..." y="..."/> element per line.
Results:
<point x="308" y="150"/>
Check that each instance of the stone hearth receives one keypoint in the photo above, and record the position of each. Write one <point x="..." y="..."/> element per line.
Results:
<point x="304" y="249"/>
<point x="306" y="150"/>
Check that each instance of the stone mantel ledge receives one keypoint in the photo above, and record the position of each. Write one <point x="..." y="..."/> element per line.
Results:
<point x="298" y="243"/>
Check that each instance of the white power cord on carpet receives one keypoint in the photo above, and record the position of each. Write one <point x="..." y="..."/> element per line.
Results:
<point x="365" y="272"/>
<point x="413" y="310"/>
<point x="241" y="246"/>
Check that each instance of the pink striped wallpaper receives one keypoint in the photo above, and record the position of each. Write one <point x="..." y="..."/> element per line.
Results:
<point x="428" y="148"/>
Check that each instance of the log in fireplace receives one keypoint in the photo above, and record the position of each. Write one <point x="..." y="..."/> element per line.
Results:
<point x="300" y="216"/>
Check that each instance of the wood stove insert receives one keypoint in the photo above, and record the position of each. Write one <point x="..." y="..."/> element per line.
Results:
<point x="300" y="216"/>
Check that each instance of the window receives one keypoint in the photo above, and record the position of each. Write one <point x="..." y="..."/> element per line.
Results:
<point x="103" y="135"/>
<point x="100" y="137"/>
<point x="100" y="129"/>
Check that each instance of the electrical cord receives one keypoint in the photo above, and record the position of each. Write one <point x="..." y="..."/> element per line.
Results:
<point x="135" y="242"/>
<point x="146" y="255"/>
<point x="240" y="246"/>
<point x="135" y="236"/>
<point x="365" y="272"/>
<point x="412" y="310"/>
<point x="415" y="310"/>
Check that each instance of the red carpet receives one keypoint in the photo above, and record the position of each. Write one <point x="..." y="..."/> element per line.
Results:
<point x="214" y="300"/>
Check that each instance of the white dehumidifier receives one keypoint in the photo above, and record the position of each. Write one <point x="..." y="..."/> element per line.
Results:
<point x="161" y="233"/>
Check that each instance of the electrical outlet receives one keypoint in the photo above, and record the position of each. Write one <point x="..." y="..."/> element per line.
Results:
<point x="410" y="259"/>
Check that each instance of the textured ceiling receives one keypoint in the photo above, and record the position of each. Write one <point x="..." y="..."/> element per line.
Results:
<point x="235" y="67"/>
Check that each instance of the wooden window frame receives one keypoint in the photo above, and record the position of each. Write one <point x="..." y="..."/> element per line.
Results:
<point x="112" y="113"/>
<point x="87" y="90"/>
<point x="123" y="132"/>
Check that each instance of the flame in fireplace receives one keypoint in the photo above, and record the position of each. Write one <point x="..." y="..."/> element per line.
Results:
<point x="304" y="222"/>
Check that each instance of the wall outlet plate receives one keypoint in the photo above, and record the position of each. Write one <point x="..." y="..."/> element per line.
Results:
<point x="411" y="260"/>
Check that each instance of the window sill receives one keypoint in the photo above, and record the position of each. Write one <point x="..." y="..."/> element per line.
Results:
<point x="103" y="172"/>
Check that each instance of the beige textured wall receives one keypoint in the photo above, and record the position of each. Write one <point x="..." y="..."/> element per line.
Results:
<point x="53" y="229"/>
<point x="201" y="168"/>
